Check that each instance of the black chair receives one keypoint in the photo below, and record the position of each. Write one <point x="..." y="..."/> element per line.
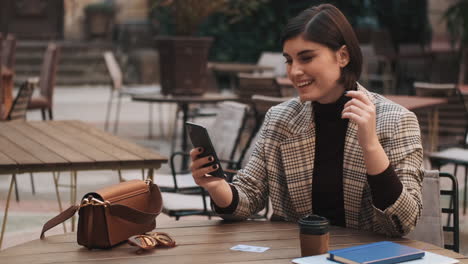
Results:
<point x="430" y="228"/>
<point x="19" y="107"/>
<point x="18" y="111"/>
<point x="452" y="210"/>
<point x="181" y="195"/>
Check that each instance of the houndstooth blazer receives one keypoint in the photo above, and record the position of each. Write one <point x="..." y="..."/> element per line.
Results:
<point x="282" y="164"/>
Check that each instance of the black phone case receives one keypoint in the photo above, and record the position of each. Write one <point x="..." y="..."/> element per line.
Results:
<point x="200" y="138"/>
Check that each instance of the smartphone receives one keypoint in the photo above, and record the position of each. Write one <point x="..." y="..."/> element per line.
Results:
<point x="200" y="138"/>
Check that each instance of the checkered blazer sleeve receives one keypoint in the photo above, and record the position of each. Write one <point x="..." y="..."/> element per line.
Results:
<point x="251" y="181"/>
<point x="406" y="155"/>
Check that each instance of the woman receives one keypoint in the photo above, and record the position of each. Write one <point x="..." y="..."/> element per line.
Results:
<point x="338" y="150"/>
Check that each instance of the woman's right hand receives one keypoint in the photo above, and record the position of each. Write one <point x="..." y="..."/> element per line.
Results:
<point x="201" y="173"/>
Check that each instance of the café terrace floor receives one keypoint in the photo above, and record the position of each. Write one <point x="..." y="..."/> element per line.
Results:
<point x="88" y="103"/>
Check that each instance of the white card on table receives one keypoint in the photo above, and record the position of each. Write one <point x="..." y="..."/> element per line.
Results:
<point x="248" y="248"/>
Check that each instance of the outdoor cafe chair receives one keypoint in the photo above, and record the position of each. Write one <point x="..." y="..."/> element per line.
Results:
<point x="377" y="70"/>
<point x="8" y="51"/>
<point x="262" y="84"/>
<point x="430" y="228"/>
<point x="275" y="60"/>
<point x="453" y="119"/>
<point x="20" y="103"/>
<point x="453" y="116"/>
<point x="179" y="189"/>
<point x="44" y="101"/>
<point x="119" y="90"/>
<point x="18" y="112"/>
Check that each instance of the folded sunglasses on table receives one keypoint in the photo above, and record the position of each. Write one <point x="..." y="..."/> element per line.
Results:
<point x="151" y="240"/>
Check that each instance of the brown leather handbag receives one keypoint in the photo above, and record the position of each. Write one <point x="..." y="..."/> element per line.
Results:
<point x="110" y="215"/>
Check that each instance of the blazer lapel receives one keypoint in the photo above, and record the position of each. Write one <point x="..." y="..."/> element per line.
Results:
<point x="298" y="154"/>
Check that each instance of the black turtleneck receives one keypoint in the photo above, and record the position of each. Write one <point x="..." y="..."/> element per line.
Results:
<point x="327" y="184"/>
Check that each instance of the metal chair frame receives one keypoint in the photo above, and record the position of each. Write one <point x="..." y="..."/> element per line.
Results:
<point x="453" y="209"/>
<point x="196" y="190"/>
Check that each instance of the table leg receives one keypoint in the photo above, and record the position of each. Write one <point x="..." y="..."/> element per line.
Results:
<point x="73" y="176"/>
<point x="184" y="146"/>
<point x="150" y="121"/>
<point x="232" y="82"/>
<point x="150" y="174"/>
<point x="5" y="215"/>
<point x="434" y="138"/>
<point x="430" y="129"/>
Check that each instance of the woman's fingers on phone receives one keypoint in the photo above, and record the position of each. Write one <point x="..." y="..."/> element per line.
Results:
<point x="195" y="152"/>
<point x="201" y="173"/>
<point x="200" y="162"/>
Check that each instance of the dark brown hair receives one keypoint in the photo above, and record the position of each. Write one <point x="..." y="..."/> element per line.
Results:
<point x="325" y="24"/>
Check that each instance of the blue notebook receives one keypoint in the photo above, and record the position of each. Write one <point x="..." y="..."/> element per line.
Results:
<point x="384" y="252"/>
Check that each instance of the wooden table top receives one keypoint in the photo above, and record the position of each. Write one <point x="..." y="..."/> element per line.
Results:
<point x="68" y="145"/>
<point x="408" y="101"/>
<point x="206" y="241"/>
<point x="416" y="102"/>
<point x="205" y="98"/>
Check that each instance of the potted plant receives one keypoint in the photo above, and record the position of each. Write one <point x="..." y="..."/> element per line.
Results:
<point x="456" y="18"/>
<point x="183" y="57"/>
<point x="99" y="20"/>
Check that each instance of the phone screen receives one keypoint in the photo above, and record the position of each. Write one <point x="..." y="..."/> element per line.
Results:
<point x="200" y="138"/>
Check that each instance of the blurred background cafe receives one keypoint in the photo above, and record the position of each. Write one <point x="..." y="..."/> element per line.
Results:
<point x="140" y="68"/>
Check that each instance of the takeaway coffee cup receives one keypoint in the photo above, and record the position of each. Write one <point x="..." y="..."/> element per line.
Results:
<point x="314" y="235"/>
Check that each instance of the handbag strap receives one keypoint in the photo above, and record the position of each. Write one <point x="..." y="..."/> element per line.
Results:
<point x="122" y="211"/>
<point x="60" y="218"/>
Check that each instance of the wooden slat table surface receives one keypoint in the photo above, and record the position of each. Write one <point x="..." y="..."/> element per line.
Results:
<point x="68" y="146"/>
<point x="202" y="242"/>
<point x="52" y="146"/>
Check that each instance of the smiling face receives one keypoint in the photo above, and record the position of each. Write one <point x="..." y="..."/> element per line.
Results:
<point x="315" y="69"/>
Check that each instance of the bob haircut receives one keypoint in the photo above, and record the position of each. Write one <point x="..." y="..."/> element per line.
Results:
<point x="326" y="25"/>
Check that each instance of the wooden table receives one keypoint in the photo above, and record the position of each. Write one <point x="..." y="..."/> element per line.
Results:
<point x="42" y="146"/>
<point x="183" y="102"/>
<point x="206" y="241"/>
<point x="419" y="102"/>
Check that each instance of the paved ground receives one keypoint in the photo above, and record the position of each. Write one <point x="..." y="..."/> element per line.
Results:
<point x="89" y="104"/>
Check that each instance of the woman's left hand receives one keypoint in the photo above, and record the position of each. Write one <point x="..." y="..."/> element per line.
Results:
<point x="361" y="110"/>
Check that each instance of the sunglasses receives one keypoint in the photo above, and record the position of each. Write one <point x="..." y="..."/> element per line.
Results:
<point x="151" y="240"/>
